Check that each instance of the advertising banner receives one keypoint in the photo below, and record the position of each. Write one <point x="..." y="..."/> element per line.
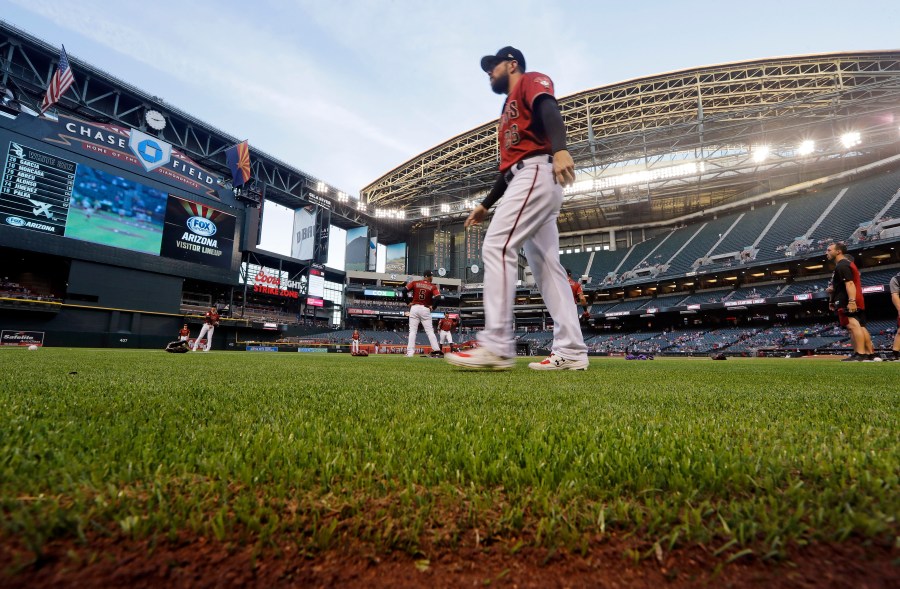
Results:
<point x="442" y="252"/>
<point x="303" y="242"/>
<point x="357" y="245"/>
<point x="21" y="338"/>
<point x="373" y="253"/>
<point x="395" y="259"/>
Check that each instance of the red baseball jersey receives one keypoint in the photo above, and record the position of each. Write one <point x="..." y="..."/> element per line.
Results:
<point x="212" y="317"/>
<point x="518" y="132"/>
<point x="355" y="335"/>
<point x="422" y="292"/>
<point x="446" y="324"/>
<point x="577" y="291"/>
<point x="184" y="331"/>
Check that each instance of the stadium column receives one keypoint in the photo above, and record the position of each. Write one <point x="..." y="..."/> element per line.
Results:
<point x="612" y="240"/>
<point x="245" y="265"/>
<point x="320" y="245"/>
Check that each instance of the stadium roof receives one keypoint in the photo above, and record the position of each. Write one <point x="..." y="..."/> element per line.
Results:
<point x="678" y="142"/>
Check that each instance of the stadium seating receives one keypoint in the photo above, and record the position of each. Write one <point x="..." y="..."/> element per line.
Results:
<point x="604" y="262"/>
<point x="872" y="276"/>
<point x="754" y="292"/>
<point x="699" y="244"/>
<point x="628" y="305"/>
<point x="795" y="220"/>
<point x="746" y="231"/>
<point x="656" y="250"/>
<point x="860" y="204"/>
<point x="806" y="286"/>
<point x="710" y="295"/>
<point x="577" y="263"/>
<point x="664" y="301"/>
<point x="604" y="306"/>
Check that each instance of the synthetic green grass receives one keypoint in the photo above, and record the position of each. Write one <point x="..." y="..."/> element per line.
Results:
<point x="743" y="455"/>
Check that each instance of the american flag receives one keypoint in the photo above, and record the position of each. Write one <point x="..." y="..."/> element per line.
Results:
<point x="62" y="79"/>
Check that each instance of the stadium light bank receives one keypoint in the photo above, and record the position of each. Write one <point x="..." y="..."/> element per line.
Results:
<point x="640" y="177"/>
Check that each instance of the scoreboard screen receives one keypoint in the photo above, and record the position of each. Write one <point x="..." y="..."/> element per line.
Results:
<point x="316" y="282"/>
<point x="115" y="211"/>
<point x="42" y="192"/>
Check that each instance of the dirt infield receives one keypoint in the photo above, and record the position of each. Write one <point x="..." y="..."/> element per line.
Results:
<point x="611" y="563"/>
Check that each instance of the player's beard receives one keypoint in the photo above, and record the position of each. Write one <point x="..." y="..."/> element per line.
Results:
<point x="500" y="84"/>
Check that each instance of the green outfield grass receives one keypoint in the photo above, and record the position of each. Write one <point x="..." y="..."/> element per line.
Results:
<point x="109" y="229"/>
<point x="742" y="456"/>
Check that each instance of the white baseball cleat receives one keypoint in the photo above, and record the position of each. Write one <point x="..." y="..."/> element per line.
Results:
<point x="480" y="358"/>
<point x="554" y="362"/>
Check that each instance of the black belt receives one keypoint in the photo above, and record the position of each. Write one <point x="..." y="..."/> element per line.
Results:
<point x="521" y="164"/>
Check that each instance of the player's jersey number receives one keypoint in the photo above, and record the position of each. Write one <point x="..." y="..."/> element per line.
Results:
<point x="511" y="136"/>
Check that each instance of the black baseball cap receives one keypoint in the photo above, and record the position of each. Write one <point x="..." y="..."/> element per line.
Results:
<point x="489" y="62"/>
<point x="428" y="274"/>
<point x="569" y="272"/>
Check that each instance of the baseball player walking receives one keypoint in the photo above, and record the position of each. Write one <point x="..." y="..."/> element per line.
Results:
<point x="578" y="293"/>
<point x="424" y="295"/>
<point x="209" y="326"/>
<point x="354" y="342"/>
<point x="445" y="329"/>
<point x="534" y="167"/>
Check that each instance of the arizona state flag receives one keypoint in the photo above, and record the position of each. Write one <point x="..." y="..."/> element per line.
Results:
<point x="238" y="159"/>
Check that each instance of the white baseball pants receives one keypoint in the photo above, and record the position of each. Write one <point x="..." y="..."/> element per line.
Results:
<point x="526" y="216"/>
<point x="420" y="314"/>
<point x="354" y="346"/>
<point x="206" y="331"/>
<point x="446" y="337"/>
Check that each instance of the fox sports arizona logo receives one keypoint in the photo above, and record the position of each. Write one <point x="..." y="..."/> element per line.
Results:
<point x="201" y="226"/>
<point x="15" y="221"/>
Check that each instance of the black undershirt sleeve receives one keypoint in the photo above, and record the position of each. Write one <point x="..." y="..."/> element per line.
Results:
<point x="496" y="192"/>
<point x="547" y="111"/>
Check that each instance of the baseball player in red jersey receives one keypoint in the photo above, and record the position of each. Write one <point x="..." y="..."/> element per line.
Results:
<point x="534" y="166"/>
<point x="445" y="328"/>
<point x="847" y="299"/>
<point x="184" y="333"/>
<point x="209" y="326"/>
<point x="578" y="293"/>
<point x="354" y="342"/>
<point x="424" y="295"/>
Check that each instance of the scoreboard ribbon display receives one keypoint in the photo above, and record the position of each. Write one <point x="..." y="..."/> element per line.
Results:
<point x="36" y="189"/>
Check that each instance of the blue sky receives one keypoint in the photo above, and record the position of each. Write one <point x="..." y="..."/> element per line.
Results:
<point x="348" y="90"/>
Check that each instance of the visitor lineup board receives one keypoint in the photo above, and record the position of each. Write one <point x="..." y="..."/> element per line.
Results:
<point x="36" y="189"/>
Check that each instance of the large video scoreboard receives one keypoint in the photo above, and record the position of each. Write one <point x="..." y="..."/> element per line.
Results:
<point x="78" y="198"/>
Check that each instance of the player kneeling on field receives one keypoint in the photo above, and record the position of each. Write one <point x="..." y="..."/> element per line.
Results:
<point x="179" y="346"/>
